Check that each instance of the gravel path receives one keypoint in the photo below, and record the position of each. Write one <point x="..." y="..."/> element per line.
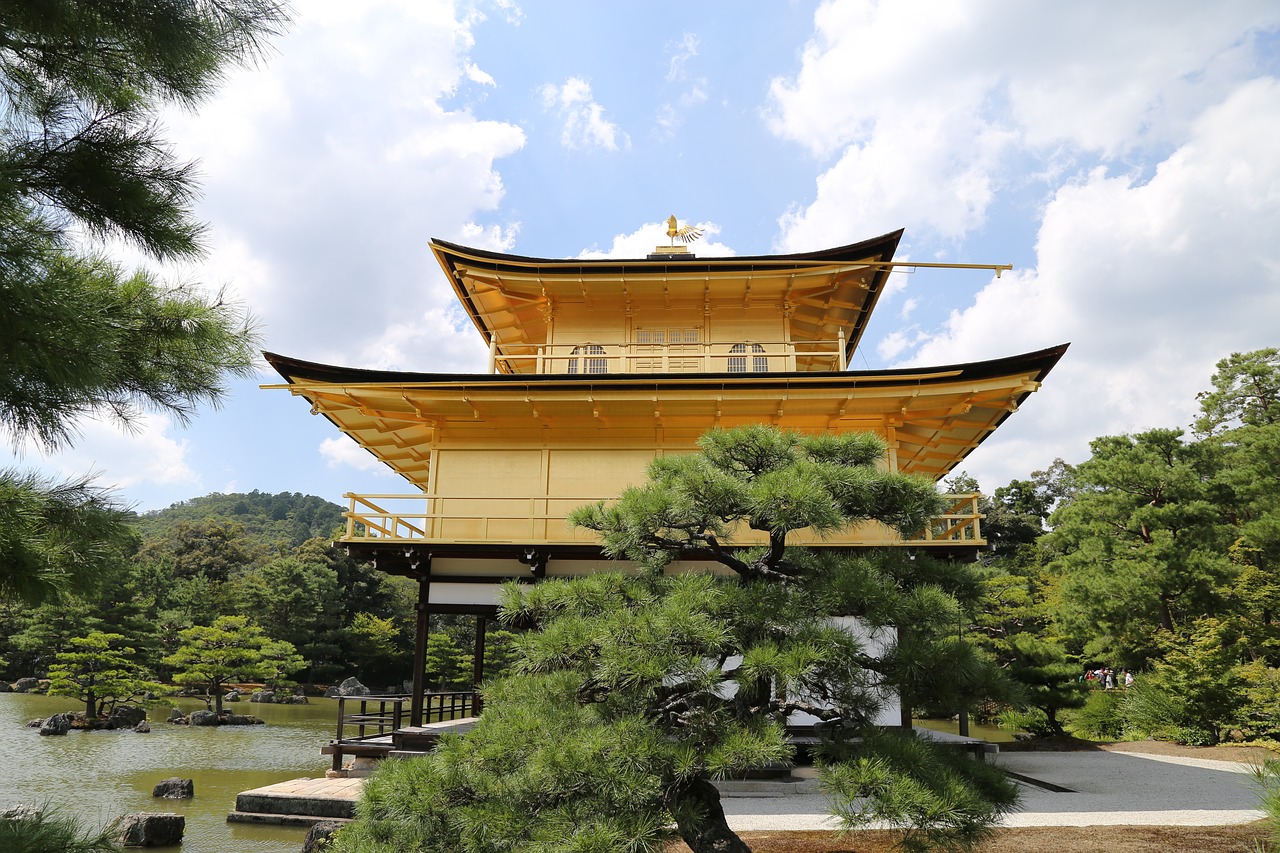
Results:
<point x="1108" y="788"/>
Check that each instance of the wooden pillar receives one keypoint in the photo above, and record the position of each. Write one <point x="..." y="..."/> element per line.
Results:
<point x="477" y="657"/>
<point x="422" y="629"/>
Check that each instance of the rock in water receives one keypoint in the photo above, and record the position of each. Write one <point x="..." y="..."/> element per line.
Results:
<point x="203" y="718"/>
<point x="318" y="835"/>
<point x="126" y="717"/>
<point x="175" y="788"/>
<point x="142" y="829"/>
<point x="265" y="697"/>
<point x="58" y="724"/>
<point x="352" y="687"/>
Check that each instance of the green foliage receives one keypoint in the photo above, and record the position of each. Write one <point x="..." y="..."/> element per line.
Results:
<point x="271" y="522"/>
<point x="1141" y="546"/>
<point x="81" y="337"/>
<point x="45" y="831"/>
<point x="938" y="799"/>
<point x="230" y="650"/>
<point x="99" y="671"/>
<point x="217" y="556"/>
<point x="1201" y="678"/>
<point x="1246" y="391"/>
<point x="83" y="86"/>
<point x="519" y="781"/>
<point x="1267" y="775"/>
<point x="1032" y="721"/>
<point x="288" y="597"/>
<point x="1101" y="716"/>
<point x="370" y="639"/>
<point x="81" y="158"/>
<point x="55" y="537"/>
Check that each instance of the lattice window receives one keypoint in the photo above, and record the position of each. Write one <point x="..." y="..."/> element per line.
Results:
<point x="674" y="350"/>
<point x="738" y="359"/>
<point x="581" y="361"/>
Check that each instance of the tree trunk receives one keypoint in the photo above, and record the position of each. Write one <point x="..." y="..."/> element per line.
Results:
<point x="705" y="829"/>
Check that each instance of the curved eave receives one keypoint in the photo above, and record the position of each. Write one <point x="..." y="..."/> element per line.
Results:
<point x="936" y="415"/>
<point x="460" y="261"/>
<point x="1039" y="363"/>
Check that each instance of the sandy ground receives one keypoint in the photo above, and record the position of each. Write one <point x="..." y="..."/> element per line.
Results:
<point x="1122" y="784"/>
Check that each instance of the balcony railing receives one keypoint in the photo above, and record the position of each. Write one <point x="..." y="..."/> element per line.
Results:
<point x="541" y="521"/>
<point x="720" y="357"/>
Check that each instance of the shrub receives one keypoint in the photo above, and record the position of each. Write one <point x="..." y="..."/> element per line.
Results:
<point x="1033" y="721"/>
<point x="1100" y="716"/>
<point x="30" y="830"/>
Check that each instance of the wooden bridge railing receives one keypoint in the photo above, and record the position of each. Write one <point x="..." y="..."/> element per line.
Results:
<point x="366" y="723"/>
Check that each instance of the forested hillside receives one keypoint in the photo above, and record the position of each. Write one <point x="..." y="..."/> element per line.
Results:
<point x="268" y="520"/>
<point x="267" y="557"/>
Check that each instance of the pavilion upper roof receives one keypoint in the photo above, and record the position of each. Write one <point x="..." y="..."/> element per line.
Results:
<point x="511" y="299"/>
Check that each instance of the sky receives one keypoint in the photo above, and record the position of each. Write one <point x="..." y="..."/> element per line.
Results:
<point x="1123" y="157"/>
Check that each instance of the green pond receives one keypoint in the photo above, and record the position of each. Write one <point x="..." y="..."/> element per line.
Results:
<point x="100" y="775"/>
<point x="993" y="734"/>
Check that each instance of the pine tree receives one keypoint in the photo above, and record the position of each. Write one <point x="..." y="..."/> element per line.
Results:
<point x="99" y="670"/>
<point x="230" y="650"/>
<point x="82" y="160"/>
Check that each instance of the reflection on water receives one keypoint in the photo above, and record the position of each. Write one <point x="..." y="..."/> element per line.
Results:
<point x="99" y="775"/>
<point x="991" y="734"/>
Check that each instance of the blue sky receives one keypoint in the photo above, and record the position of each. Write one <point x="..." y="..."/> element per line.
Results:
<point x="1123" y="157"/>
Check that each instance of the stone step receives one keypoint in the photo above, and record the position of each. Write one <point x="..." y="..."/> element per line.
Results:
<point x="280" y="819"/>
<point x="315" y="798"/>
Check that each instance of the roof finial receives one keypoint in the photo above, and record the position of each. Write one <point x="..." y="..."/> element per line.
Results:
<point x="687" y="234"/>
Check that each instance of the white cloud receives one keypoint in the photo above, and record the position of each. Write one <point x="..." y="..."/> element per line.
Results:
<point x="327" y="170"/>
<point x="1151" y="282"/>
<point x="928" y="108"/>
<point x="647" y="237"/>
<point x="681" y="52"/>
<point x="342" y="452"/>
<point x="584" y="123"/>
<point x="142" y="456"/>
<point x="907" y="173"/>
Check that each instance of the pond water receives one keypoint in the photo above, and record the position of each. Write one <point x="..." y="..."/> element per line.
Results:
<point x="992" y="734"/>
<point x="97" y="776"/>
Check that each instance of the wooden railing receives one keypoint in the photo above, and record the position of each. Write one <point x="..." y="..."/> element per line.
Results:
<point x="719" y="357"/>
<point x="366" y="724"/>
<point x="541" y="520"/>
<point x="371" y="717"/>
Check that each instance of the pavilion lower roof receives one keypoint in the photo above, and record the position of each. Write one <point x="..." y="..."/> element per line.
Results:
<point x="933" y="417"/>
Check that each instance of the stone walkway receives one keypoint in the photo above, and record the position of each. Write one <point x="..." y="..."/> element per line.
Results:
<point x="1105" y="788"/>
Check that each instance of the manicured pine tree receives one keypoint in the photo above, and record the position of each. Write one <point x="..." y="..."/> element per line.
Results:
<point x="100" y="671"/>
<point x="228" y="651"/>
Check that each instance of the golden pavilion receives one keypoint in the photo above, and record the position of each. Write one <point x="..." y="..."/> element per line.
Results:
<point x="595" y="367"/>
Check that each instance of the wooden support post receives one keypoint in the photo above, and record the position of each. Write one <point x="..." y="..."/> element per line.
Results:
<point x="421" y="631"/>
<point x="477" y="657"/>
